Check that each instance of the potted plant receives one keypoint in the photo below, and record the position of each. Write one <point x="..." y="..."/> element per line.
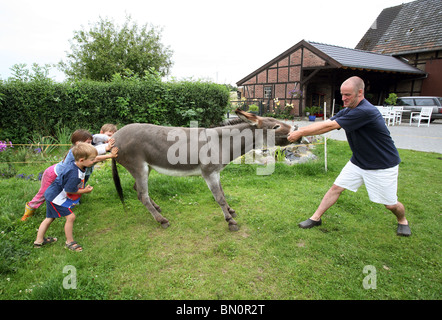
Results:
<point x="253" y="108"/>
<point x="310" y="112"/>
<point x="391" y="100"/>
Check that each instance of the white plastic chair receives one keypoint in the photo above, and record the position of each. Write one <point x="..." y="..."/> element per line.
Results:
<point x="398" y="114"/>
<point x="424" y="114"/>
<point x="387" y="114"/>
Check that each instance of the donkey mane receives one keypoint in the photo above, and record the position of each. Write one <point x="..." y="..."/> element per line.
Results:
<point x="228" y="122"/>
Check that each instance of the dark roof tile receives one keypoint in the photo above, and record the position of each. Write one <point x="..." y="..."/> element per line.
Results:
<point x="410" y="27"/>
<point x="352" y="58"/>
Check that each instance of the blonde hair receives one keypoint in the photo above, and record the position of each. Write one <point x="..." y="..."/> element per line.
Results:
<point x="84" y="150"/>
<point x="109" y="127"/>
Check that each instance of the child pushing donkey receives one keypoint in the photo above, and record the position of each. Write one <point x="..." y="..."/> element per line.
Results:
<point x="64" y="193"/>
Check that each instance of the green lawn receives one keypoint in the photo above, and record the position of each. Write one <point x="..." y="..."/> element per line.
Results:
<point x="127" y="255"/>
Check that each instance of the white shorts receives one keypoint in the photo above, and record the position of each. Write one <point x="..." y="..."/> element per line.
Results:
<point x="381" y="184"/>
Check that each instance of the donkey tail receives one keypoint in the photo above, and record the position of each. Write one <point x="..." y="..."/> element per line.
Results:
<point x="117" y="181"/>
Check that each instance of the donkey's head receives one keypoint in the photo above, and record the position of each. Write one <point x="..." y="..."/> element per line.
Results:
<point x="282" y="130"/>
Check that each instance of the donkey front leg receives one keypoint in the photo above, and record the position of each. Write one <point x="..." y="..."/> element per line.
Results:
<point x="141" y="182"/>
<point x="214" y="183"/>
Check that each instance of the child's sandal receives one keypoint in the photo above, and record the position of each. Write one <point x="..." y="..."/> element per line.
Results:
<point x="45" y="241"/>
<point x="74" y="246"/>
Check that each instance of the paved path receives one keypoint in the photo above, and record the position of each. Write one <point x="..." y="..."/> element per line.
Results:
<point x="423" y="138"/>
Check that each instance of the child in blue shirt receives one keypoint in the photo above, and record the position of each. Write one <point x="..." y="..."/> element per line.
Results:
<point x="51" y="173"/>
<point x="64" y="193"/>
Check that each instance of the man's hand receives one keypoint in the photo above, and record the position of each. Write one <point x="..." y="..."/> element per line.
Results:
<point x="294" y="136"/>
<point x="313" y="129"/>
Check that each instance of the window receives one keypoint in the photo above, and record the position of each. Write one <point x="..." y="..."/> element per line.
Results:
<point x="425" y="102"/>
<point x="405" y="102"/>
<point x="267" y="92"/>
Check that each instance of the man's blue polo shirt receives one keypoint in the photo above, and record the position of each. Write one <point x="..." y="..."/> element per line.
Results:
<point x="368" y="137"/>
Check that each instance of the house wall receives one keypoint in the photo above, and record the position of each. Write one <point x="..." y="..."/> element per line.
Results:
<point x="430" y="62"/>
<point x="283" y="77"/>
<point x="432" y="86"/>
<point x="318" y="93"/>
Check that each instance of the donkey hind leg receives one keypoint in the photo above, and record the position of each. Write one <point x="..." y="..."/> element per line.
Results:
<point x="231" y="211"/>
<point x="141" y="182"/>
<point x="214" y="184"/>
<point x="151" y="200"/>
<point x="155" y="205"/>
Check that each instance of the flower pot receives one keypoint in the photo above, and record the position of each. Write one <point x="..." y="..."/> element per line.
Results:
<point x="311" y="118"/>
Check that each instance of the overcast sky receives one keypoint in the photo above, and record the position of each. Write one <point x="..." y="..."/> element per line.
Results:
<point x="221" y="41"/>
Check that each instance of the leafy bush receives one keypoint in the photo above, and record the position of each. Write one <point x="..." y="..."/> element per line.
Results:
<point x="42" y="106"/>
<point x="391" y="100"/>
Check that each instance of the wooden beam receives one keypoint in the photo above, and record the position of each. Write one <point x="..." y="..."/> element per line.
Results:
<point x="306" y="80"/>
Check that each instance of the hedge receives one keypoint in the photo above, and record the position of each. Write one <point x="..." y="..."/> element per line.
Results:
<point x="42" y="106"/>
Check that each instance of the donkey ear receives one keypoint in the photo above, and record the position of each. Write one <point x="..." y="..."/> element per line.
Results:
<point x="247" y="117"/>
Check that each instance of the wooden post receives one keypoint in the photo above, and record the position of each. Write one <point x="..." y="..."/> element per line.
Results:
<point x="325" y="138"/>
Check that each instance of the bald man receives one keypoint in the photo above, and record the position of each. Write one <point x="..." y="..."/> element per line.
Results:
<point x="375" y="160"/>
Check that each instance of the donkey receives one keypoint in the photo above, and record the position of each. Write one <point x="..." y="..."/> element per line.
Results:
<point x="191" y="151"/>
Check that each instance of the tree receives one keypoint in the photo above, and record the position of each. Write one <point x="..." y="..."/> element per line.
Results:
<point x="106" y="49"/>
<point x="21" y="73"/>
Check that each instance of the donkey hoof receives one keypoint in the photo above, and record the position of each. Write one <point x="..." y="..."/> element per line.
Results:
<point x="233" y="227"/>
<point x="165" y="225"/>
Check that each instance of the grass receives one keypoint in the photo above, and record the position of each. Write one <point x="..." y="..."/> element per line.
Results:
<point x="127" y="255"/>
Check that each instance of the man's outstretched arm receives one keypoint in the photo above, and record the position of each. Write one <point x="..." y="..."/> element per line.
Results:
<point x="313" y="129"/>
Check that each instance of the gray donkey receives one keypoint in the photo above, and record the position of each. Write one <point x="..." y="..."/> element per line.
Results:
<point x="192" y="151"/>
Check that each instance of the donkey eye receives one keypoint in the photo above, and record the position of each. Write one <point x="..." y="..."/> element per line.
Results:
<point x="276" y="127"/>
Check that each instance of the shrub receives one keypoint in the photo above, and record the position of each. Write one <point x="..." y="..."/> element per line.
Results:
<point x="391" y="100"/>
<point x="43" y="106"/>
